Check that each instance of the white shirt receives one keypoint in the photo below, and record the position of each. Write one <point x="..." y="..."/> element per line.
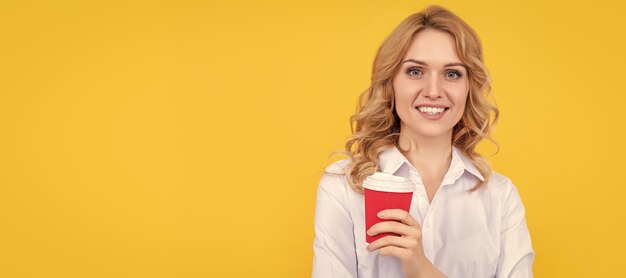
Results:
<point x="479" y="234"/>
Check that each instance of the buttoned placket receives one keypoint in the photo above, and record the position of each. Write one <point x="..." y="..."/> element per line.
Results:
<point x="425" y="208"/>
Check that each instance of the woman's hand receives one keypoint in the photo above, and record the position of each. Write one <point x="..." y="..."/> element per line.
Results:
<point x="407" y="247"/>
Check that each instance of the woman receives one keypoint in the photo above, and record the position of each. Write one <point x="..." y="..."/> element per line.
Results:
<point x="421" y="118"/>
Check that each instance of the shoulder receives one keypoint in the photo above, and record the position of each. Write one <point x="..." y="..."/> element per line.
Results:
<point x="500" y="182"/>
<point x="335" y="174"/>
<point x="337" y="167"/>
<point x="504" y="188"/>
<point x="333" y="180"/>
<point x="333" y="189"/>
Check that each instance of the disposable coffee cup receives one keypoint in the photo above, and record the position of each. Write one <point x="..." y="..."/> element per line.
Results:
<point x="385" y="191"/>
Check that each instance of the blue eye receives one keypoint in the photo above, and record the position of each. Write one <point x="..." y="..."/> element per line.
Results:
<point x="453" y="74"/>
<point x="414" y="71"/>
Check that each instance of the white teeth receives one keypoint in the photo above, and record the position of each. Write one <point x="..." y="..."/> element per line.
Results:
<point x="431" y="110"/>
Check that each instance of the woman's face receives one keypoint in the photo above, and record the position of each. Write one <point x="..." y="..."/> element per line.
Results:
<point x="431" y="87"/>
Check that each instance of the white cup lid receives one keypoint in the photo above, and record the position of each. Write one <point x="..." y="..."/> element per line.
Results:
<point x="388" y="183"/>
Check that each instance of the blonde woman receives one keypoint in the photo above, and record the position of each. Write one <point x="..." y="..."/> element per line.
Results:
<point x="421" y="118"/>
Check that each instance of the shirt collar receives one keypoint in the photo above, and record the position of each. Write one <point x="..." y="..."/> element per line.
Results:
<point x="392" y="159"/>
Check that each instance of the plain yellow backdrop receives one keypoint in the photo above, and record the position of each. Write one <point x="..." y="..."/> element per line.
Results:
<point x="186" y="138"/>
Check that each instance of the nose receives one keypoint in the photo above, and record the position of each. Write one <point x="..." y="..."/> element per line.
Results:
<point x="433" y="88"/>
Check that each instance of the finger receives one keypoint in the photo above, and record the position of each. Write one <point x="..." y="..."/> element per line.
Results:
<point x="393" y="251"/>
<point x="400" y="242"/>
<point x="393" y="227"/>
<point x="400" y="215"/>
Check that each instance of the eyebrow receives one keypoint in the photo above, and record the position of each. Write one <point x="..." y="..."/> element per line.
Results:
<point x="424" y="63"/>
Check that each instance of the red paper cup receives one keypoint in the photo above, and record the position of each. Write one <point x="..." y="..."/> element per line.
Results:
<point x="385" y="191"/>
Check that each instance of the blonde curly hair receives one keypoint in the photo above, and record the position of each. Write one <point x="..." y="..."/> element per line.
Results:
<point x="376" y="125"/>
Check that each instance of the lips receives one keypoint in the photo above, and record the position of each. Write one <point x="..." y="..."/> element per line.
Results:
<point x="434" y="116"/>
<point x="431" y="110"/>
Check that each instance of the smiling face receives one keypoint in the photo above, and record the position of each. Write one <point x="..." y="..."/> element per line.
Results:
<point x="431" y="87"/>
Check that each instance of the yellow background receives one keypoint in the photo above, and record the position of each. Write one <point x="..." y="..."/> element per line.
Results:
<point x="186" y="138"/>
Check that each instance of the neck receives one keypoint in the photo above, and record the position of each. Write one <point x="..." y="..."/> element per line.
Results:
<point x="426" y="152"/>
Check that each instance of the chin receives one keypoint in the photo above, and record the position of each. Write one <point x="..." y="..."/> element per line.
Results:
<point x="432" y="132"/>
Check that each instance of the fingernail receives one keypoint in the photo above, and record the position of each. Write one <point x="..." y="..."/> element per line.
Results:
<point x="381" y="214"/>
<point x="369" y="232"/>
